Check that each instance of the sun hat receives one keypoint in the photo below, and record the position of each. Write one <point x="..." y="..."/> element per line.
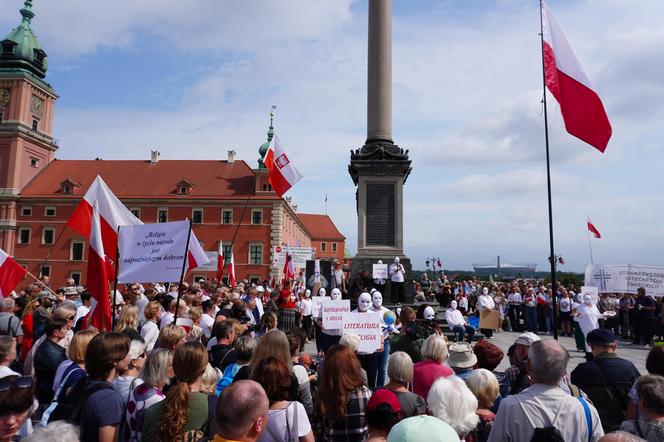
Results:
<point x="461" y="355"/>
<point x="422" y="429"/>
<point x="527" y="339"/>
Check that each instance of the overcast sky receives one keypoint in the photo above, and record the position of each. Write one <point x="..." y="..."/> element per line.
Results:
<point x="193" y="79"/>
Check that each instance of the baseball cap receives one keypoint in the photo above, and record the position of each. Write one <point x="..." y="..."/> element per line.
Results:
<point x="461" y="355"/>
<point x="260" y="289"/>
<point x="384" y="396"/>
<point x="600" y="336"/>
<point x="527" y="339"/>
<point x="422" y="429"/>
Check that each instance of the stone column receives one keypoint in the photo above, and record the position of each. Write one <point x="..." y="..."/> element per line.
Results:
<point x="379" y="78"/>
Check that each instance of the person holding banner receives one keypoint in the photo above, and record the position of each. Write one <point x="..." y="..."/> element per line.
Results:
<point x="377" y="306"/>
<point x="368" y="361"/>
<point x="329" y="336"/>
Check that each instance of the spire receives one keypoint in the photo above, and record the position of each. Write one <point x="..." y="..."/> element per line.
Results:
<point x="27" y="13"/>
<point x="21" y="49"/>
<point x="270" y="134"/>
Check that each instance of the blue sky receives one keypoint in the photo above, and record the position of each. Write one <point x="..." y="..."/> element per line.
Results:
<point x="196" y="78"/>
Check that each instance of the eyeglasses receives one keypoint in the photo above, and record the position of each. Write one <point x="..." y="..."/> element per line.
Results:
<point x="20" y="382"/>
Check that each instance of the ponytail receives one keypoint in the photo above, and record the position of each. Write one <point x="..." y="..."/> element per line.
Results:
<point x="174" y="415"/>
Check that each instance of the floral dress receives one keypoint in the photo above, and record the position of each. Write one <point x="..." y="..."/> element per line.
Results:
<point x="140" y="399"/>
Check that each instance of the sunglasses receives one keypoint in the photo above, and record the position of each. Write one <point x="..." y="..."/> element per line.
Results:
<point x="20" y="382"/>
<point x="71" y="318"/>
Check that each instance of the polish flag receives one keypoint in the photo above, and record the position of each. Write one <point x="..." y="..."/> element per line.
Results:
<point x="580" y="106"/>
<point x="283" y="175"/>
<point x="98" y="276"/>
<point x="220" y="261"/>
<point x="289" y="268"/>
<point x="593" y="229"/>
<point x="231" y="271"/>
<point x="11" y="273"/>
<point x="112" y="214"/>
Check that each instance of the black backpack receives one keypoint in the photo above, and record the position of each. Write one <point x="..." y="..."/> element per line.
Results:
<point x="70" y="408"/>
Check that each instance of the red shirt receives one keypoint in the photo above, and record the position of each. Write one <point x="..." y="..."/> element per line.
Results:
<point x="286" y="300"/>
<point x="425" y="374"/>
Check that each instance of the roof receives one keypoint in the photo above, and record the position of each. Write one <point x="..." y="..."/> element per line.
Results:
<point x="320" y="227"/>
<point x="211" y="179"/>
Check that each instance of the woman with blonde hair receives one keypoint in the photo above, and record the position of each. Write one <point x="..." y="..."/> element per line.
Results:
<point x="170" y="337"/>
<point x="184" y="413"/>
<point x="150" y="329"/>
<point x="484" y="386"/>
<point x="128" y="323"/>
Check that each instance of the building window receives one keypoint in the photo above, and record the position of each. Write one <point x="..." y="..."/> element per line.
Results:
<point x="334" y="247"/>
<point x="2" y="116"/>
<point x="34" y="162"/>
<point x="76" y="252"/>
<point x="26" y="211"/>
<point x="257" y="216"/>
<point x="49" y="211"/>
<point x="227" y="216"/>
<point x="35" y="124"/>
<point x="267" y="188"/>
<point x="197" y="216"/>
<point x="136" y="212"/>
<point x="255" y="253"/>
<point x="67" y="189"/>
<point x="45" y="270"/>
<point x="24" y="235"/>
<point x="182" y="190"/>
<point x="76" y="276"/>
<point x="227" y="254"/>
<point x="162" y="216"/>
<point x="48" y="235"/>
<point x="255" y="279"/>
<point x="323" y="247"/>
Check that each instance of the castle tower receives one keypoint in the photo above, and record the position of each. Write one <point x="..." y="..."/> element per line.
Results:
<point x="27" y="105"/>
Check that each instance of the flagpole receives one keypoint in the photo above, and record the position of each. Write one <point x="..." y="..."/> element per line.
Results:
<point x="115" y="280"/>
<point x="590" y="247"/>
<point x="184" y="266"/>
<point x="552" y="256"/>
<point x="37" y="279"/>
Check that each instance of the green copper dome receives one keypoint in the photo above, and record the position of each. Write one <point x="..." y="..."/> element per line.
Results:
<point x="265" y="146"/>
<point x="20" y="48"/>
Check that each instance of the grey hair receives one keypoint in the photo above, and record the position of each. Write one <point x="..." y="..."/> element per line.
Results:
<point x="400" y="367"/>
<point x="350" y="340"/>
<point x="8" y="304"/>
<point x="435" y="348"/>
<point x="136" y="348"/>
<point x="58" y="431"/>
<point x="244" y="348"/>
<point x="451" y="401"/>
<point x="64" y="310"/>
<point x="547" y="362"/>
<point x="620" y="436"/>
<point x="155" y="370"/>
<point x="650" y="389"/>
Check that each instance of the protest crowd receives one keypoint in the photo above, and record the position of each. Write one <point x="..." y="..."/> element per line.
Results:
<point x="233" y="366"/>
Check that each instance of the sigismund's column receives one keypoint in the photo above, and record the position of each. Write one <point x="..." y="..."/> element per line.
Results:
<point x="379" y="168"/>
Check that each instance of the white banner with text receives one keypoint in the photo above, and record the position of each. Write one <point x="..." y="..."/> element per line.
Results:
<point x="625" y="278"/>
<point x="367" y="326"/>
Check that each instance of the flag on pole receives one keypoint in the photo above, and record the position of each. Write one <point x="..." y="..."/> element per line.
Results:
<point x="289" y="268"/>
<point x="98" y="277"/>
<point x="220" y="261"/>
<point x="112" y="214"/>
<point x="283" y="174"/>
<point x="11" y="273"/>
<point x="440" y="263"/>
<point x="231" y="271"/>
<point x="580" y="105"/>
<point x="593" y="229"/>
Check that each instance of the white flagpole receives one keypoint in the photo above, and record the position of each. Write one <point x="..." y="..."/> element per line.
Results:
<point x="590" y="246"/>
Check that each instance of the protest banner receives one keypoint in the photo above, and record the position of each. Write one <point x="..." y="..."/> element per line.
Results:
<point x="211" y="266"/>
<point x="299" y="255"/>
<point x="593" y="292"/>
<point x="316" y="304"/>
<point x="333" y="312"/>
<point x="152" y="252"/>
<point x="625" y="278"/>
<point x="380" y="271"/>
<point x="489" y="319"/>
<point x="367" y="326"/>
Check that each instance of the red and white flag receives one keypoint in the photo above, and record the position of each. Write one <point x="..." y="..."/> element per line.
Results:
<point x="11" y="273"/>
<point x="220" y="261"/>
<point x="580" y="105"/>
<point x="289" y="268"/>
<point x="112" y="214"/>
<point x="593" y="229"/>
<point x="231" y="271"/>
<point x="283" y="174"/>
<point x="98" y="276"/>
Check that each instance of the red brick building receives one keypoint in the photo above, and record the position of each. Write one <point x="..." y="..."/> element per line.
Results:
<point x="38" y="193"/>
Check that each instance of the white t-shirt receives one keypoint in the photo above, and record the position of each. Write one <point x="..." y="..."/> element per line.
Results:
<point x="207" y="323"/>
<point x="166" y="319"/>
<point x="307" y="307"/>
<point x="565" y="305"/>
<point x="396" y="272"/>
<point x="150" y="333"/>
<point x="281" y="421"/>
<point x="514" y="298"/>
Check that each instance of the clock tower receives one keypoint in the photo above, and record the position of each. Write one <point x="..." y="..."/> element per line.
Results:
<point x="27" y="105"/>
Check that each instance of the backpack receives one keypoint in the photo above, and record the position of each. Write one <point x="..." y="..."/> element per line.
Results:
<point x="70" y="408"/>
<point x="227" y="378"/>
<point x="550" y="433"/>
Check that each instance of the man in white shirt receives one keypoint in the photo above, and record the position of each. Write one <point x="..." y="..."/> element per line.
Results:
<point x="485" y="303"/>
<point x="397" y="272"/>
<point x="514" y="301"/>
<point x="458" y="323"/>
<point x="544" y="403"/>
<point x="338" y="277"/>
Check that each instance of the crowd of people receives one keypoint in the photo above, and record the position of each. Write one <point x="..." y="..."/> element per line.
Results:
<point x="203" y="361"/>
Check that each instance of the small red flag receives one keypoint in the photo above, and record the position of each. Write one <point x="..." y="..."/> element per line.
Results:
<point x="593" y="229"/>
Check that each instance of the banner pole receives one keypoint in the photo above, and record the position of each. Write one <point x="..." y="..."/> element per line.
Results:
<point x="590" y="247"/>
<point x="115" y="280"/>
<point x="184" y="266"/>
<point x="37" y="279"/>
<point x="552" y="256"/>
